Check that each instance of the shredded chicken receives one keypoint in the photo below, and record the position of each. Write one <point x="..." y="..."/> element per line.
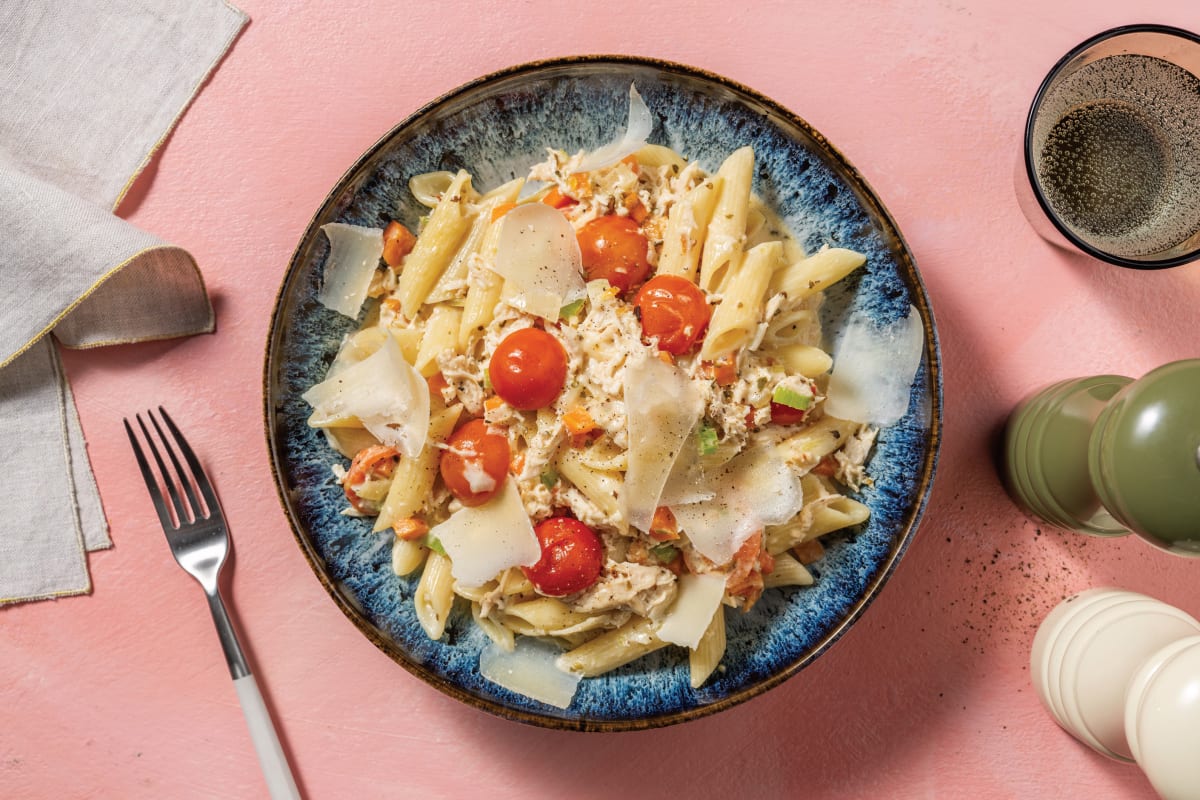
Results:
<point x="643" y="589"/>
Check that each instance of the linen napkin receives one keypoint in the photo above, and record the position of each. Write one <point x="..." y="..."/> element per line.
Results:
<point x="88" y="92"/>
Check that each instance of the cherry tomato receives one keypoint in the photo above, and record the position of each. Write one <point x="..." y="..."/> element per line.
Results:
<point x="675" y="310"/>
<point x="528" y="369"/>
<point x="398" y="241"/>
<point x="372" y="463"/>
<point x="786" y="415"/>
<point x="613" y="248"/>
<point x="475" y="464"/>
<point x="572" y="557"/>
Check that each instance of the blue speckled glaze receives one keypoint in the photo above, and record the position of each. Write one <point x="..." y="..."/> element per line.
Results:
<point x="496" y="128"/>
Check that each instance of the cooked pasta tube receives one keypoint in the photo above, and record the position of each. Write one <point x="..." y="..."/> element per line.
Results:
<point x="808" y="446"/>
<point x="499" y="634"/>
<point x="452" y="282"/>
<point x="704" y="660"/>
<point x="727" y="229"/>
<point x="815" y="273"/>
<point x="484" y="290"/>
<point x="413" y="478"/>
<point x="435" y="247"/>
<point x="804" y="359"/>
<point x="613" y="649"/>
<point x="441" y="336"/>
<point x="434" y="596"/>
<point x="787" y="572"/>
<point x="600" y="487"/>
<point x="687" y="224"/>
<point x="406" y="556"/>
<point x="736" y="319"/>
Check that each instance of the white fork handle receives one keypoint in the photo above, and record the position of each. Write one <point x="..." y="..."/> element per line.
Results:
<point x="271" y="759"/>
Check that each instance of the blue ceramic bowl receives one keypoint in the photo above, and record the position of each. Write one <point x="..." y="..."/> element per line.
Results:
<point x="496" y="127"/>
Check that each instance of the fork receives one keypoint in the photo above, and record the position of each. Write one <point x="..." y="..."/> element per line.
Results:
<point x="199" y="541"/>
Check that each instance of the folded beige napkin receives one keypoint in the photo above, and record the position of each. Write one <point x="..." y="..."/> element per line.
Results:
<point x="88" y="91"/>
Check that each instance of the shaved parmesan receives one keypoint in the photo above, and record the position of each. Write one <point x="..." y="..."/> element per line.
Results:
<point x="874" y="367"/>
<point x="383" y="392"/>
<point x="483" y="540"/>
<point x="663" y="406"/>
<point x="754" y="489"/>
<point x="538" y="256"/>
<point x="529" y="670"/>
<point x="637" y="131"/>
<point x="698" y="599"/>
<point x="354" y="254"/>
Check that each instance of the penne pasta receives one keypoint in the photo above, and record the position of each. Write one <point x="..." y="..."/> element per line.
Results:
<point x="815" y="273"/>
<point x="441" y="337"/>
<point x="736" y="319"/>
<point x="435" y="247"/>
<point x="726" y="232"/>
<point x="407" y="556"/>
<point x="705" y="659"/>
<point x="434" y="596"/>
<point x="687" y="225"/>
<point x="453" y="282"/>
<point x="787" y="572"/>
<point x="804" y="359"/>
<point x="805" y="448"/>
<point x="612" y="649"/>
<point x="602" y="488"/>
<point x="413" y="479"/>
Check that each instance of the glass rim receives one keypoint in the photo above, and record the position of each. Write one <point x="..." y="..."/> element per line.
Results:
<point x="1039" y="96"/>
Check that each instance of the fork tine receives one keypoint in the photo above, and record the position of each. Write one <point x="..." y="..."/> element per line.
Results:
<point x="181" y="513"/>
<point x="160" y="504"/>
<point x="183" y="478"/>
<point x="206" y="489"/>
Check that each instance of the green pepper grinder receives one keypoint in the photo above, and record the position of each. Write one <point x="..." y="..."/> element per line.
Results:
<point x="1109" y="455"/>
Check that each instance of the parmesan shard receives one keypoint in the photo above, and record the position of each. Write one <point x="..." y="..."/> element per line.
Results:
<point x="663" y="405"/>
<point x="354" y="254"/>
<point x="530" y="670"/>
<point x="637" y="130"/>
<point x="538" y="256"/>
<point x="754" y="489"/>
<point x="484" y="540"/>
<point x="382" y="392"/>
<point x="874" y="367"/>
<point x="698" y="599"/>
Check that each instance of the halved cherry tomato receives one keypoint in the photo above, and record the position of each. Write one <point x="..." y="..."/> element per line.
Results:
<point x="675" y="310"/>
<point x="614" y="248"/>
<point x="372" y="463"/>
<point x="572" y="557"/>
<point x="398" y="241"/>
<point x="475" y="464"/>
<point x="528" y="369"/>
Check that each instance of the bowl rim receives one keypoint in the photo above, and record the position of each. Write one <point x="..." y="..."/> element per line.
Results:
<point x="901" y="541"/>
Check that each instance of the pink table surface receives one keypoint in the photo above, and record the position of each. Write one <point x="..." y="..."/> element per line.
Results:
<point x="124" y="693"/>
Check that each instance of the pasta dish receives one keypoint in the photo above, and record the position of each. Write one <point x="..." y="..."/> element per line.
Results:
<point x="590" y="403"/>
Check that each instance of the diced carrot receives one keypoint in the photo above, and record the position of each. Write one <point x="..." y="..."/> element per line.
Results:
<point x="517" y="464"/>
<point x="501" y="209"/>
<point x="725" y="370"/>
<point x="392" y="304"/>
<point x="666" y="357"/>
<point x="637" y="210"/>
<point x="410" y="528"/>
<point x="579" y="184"/>
<point x="632" y="162"/>
<point x="398" y="241"/>
<point x="578" y="421"/>
<point x="663" y="526"/>
<point x="808" y="552"/>
<point x="557" y="199"/>
<point x="492" y="403"/>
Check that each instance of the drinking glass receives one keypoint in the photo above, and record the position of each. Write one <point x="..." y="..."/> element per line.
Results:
<point x="1110" y="161"/>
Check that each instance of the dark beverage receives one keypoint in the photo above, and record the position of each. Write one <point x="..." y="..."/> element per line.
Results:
<point x="1119" y="157"/>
